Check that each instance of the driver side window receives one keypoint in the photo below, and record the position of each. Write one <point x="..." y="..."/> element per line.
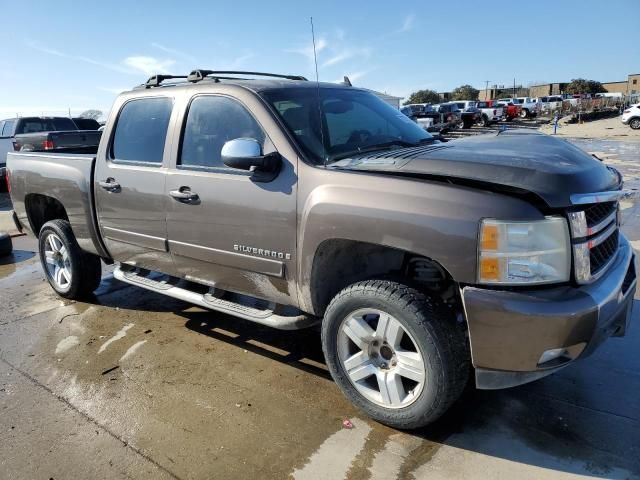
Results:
<point x="369" y="123"/>
<point x="211" y="122"/>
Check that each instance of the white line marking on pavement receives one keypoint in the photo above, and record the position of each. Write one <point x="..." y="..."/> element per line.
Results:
<point x="121" y="333"/>
<point x="635" y="244"/>
<point x="132" y="350"/>
<point x="334" y="457"/>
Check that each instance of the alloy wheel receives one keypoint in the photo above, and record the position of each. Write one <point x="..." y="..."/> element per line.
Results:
<point x="57" y="261"/>
<point x="381" y="358"/>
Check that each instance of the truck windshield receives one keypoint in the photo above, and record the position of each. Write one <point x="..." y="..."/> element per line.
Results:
<point x="353" y="121"/>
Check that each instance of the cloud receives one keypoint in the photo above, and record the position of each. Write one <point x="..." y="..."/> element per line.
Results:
<point x="354" y="76"/>
<point x="176" y="53"/>
<point x="307" y="51"/>
<point x="408" y="23"/>
<point x="148" y="65"/>
<point x="239" y="61"/>
<point x="57" y="53"/>
<point x="132" y="65"/>
<point x="114" y="90"/>
<point x="346" y="54"/>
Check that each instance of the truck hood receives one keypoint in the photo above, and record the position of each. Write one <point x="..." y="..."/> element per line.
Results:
<point x="546" y="166"/>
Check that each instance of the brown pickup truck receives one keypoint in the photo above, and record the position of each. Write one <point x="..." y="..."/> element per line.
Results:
<point x="290" y="203"/>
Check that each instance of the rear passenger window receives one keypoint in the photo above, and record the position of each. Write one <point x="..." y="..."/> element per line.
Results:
<point x="141" y="130"/>
<point x="212" y="121"/>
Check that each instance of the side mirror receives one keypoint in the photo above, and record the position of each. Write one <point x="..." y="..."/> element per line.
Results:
<point x="246" y="154"/>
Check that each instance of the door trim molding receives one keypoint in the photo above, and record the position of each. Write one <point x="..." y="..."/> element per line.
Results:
<point x="250" y="263"/>
<point x="126" y="236"/>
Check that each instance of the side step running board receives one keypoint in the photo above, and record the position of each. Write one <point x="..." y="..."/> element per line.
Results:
<point x="264" y="317"/>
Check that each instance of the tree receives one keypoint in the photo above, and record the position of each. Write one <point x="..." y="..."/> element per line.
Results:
<point x="423" y="96"/>
<point x="465" y="92"/>
<point x="580" y="85"/>
<point x="93" y="113"/>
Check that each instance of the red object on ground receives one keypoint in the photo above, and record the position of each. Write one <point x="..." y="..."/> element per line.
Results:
<point x="347" y="424"/>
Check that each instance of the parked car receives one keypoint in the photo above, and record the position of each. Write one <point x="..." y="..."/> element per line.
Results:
<point x="86" y="123"/>
<point x="631" y="116"/>
<point x="549" y="103"/>
<point x="510" y="111"/>
<point x="421" y="259"/>
<point x="470" y="113"/>
<point x="527" y="105"/>
<point x="12" y="126"/>
<point x="489" y="113"/>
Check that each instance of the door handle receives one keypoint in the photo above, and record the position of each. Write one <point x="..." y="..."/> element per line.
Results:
<point x="184" y="195"/>
<point x="110" y="185"/>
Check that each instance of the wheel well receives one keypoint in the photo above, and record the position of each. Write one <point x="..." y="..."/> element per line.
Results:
<point x="339" y="263"/>
<point x="42" y="209"/>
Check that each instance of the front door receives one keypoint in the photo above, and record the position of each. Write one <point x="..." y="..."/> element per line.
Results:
<point x="233" y="232"/>
<point x="130" y="182"/>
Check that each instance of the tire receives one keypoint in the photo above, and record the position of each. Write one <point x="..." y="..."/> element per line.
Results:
<point x="485" y="121"/>
<point x="6" y="245"/>
<point x="71" y="272"/>
<point x="431" y="344"/>
<point x="635" y="123"/>
<point x="524" y="113"/>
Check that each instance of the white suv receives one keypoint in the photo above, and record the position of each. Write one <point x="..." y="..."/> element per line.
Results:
<point x="631" y="116"/>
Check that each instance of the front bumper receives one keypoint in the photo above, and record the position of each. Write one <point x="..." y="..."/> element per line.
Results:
<point x="510" y="330"/>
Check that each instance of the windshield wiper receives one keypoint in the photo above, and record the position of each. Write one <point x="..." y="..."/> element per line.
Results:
<point x="378" y="146"/>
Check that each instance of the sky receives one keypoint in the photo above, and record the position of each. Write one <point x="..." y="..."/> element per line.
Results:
<point x="70" y="55"/>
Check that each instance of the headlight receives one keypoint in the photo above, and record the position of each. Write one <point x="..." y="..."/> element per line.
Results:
<point x="517" y="253"/>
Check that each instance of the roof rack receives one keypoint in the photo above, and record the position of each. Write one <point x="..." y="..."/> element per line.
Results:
<point x="198" y="75"/>
<point x="156" y="80"/>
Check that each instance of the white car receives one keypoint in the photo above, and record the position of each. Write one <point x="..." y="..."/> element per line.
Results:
<point x="550" y="103"/>
<point x="631" y="116"/>
<point x="528" y="106"/>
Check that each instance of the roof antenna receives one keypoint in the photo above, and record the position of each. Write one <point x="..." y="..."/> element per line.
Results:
<point x="315" y="60"/>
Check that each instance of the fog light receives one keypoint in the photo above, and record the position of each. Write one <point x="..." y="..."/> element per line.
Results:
<point x="552" y="355"/>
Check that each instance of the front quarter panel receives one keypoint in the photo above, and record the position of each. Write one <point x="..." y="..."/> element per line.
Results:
<point x="428" y="218"/>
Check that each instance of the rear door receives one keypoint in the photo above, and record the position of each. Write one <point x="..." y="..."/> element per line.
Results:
<point x="130" y="181"/>
<point x="238" y="233"/>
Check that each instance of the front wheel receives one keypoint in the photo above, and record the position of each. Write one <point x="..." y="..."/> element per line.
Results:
<point x="635" y="123"/>
<point x="71" y="272"/>
<point x="396" y="354"/>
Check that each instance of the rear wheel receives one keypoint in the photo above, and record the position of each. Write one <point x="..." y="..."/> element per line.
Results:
<point x="524" y="113"/>
<point x="395" y="353"/>
<point x="71" y="272"/>
<point x="635" y="123"/>
<point x="485" y="121"/>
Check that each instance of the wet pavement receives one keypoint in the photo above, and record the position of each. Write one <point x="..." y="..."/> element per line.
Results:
<point x="136" y="385"/>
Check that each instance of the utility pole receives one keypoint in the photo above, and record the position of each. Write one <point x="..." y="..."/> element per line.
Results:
<point x="514" y="86"/>
<point x="486" y="89"/>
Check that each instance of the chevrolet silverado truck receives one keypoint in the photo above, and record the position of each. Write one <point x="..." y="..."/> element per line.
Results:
<point x="292" y="203"/>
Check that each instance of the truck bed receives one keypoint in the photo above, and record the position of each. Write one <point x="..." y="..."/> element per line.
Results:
<point x="66" y="178"/>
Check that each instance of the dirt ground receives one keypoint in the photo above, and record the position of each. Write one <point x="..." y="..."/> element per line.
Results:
<point x="609" y="128"/>
<point x="135" y="385"/>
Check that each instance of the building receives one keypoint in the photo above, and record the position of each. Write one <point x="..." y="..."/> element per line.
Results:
<point x="630" y="86"/>
<point x="390" y="99"/>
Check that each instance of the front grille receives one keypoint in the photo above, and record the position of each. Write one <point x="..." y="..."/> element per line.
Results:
<point x="594" y="233"/>
<point x="600" y="255"/>
<point x="598" y="212"/>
